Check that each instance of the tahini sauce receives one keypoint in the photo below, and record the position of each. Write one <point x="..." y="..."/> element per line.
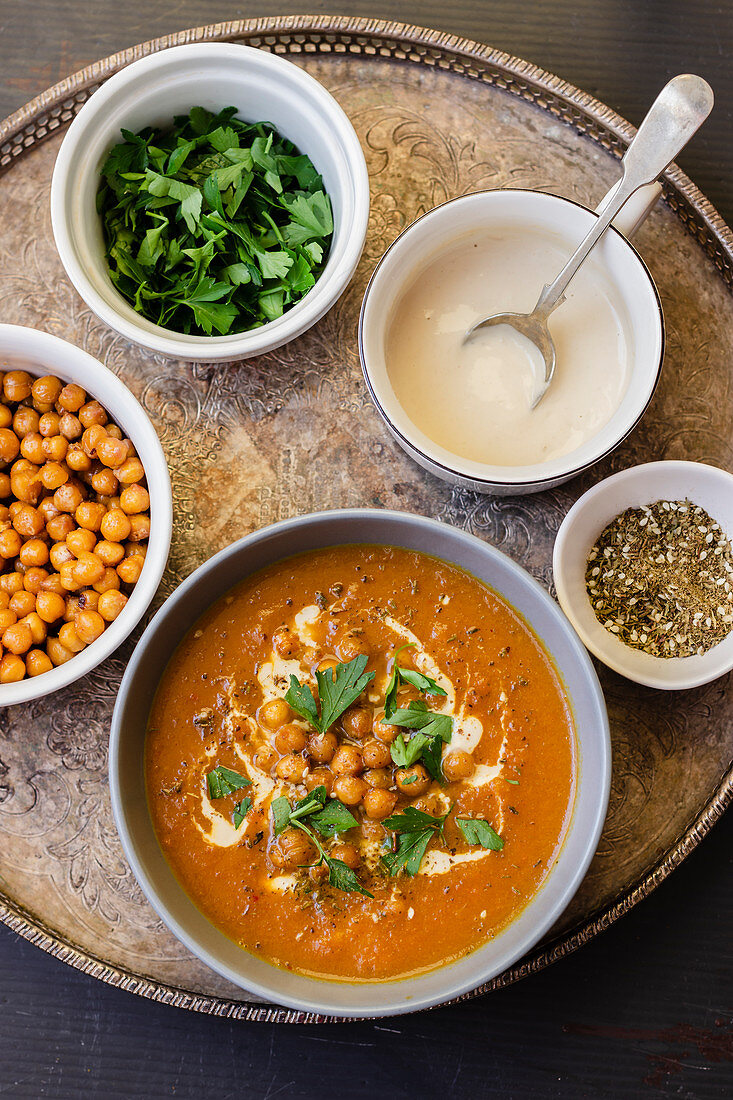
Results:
<point x="473" y="399"/>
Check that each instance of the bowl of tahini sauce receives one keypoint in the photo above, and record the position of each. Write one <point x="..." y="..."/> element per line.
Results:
<point x="462" y="409"/>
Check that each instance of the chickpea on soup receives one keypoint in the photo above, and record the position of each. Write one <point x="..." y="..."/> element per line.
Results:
<point x="360" y="763"/>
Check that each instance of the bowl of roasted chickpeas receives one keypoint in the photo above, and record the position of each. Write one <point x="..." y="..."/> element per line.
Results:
<point x="85" y="513"/>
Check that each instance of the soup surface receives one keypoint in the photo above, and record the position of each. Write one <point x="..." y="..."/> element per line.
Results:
<point x="382" y="839"/>
<point x="474" y="398"/>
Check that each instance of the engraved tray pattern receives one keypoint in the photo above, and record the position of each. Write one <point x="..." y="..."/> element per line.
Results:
<point x="294" y="431"/>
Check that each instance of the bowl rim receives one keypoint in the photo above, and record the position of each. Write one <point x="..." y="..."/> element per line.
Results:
<point x="330" y="284"/>
<point x="641" y="668"/>
<point x="501" y="475"/>
<point x="67" y="360"/>
<point x="399" y="1003"/>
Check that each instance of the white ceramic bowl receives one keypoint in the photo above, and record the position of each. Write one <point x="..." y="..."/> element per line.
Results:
<point x="707" y="486"/>
<point x="214" y="75"/>
<point x="127" y="780"/>
<point x="494" y="211"/>
<point x="40" y="353"/>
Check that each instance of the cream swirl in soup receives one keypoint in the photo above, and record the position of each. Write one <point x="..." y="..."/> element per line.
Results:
<point x="473" y="398"/>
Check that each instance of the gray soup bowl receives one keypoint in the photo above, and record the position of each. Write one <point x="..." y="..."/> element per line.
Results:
<point x="127" y="783"/>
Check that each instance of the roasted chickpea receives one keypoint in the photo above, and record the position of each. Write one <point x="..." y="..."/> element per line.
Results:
<point x="89" y="626"/>
<point x="77" y="459"/>
<point x="357" y="722"/>
<point x="92" y="414"/>
<point x="379" y="804"/>
<point x="274" y="714"/>
<point x="12" y="669"/>
<point x="292" y="849"/>
<point x="28" y="521"/>
<point x="47" y="389"/>
<point x="31" y="447"/>
<point x="385" y="732"/>
<point x="25" y="421"/>
<point x="22" y="603"/>
<point x="60" y="526"/>
<point x="26" y="486"/>
<point x="69" y="638"/>
<point x="37" y="627"/>
<point x="139" y="528"/>
<point x="412" y="781"/>
<point x="110" y="604"/>
<point x="130" y="472"/>
<point x="108" y="582"/>
<point x="91" y="439"/>
<point x="322" y="746"/>
<point x="89" y="515"/>
<point x="4" y="601"/>
<point x="17" y="385"/>
<point x="111" y="553"/>
<point x="290" y="738"/>
<point x="11" y="582"/>
<point x="347" y="853"/>
<point x="349" y="789"/>
<point x="351" y="646"/>
<point x="60" y="555"/>
<point x="68" y="497"/>
<point x="8" y="618"/>
<point x="53" y="476"/>
<point x="5" y="487"/>
<point x="70" y="427"/>
<point x="291" y="768"/>
<point x="9" y="445"/>
<point x="130" y="569"/>
<point x="111" y="452"/>
<point x="34" y="553"/>
<point x="48" y="425"/>
<point x="285" y="642"/>
<point x="6" y="416"/>
<point x="35" y="576"/>
<point x="347" y="761"/>
<point x="80" y="541"/>
<point x="319" y="777"/>
<point x="50" y="583"/>
<point x="326" y="664"/>
<point x="378" y="777"/>
<point x="55" y="448"/>
<point x="89" y="600"/>
<point x="115" y="431"/>
<point x="17" y="638"/>
<point x="58" y="652"/>
<point x="375" y="754"/>
<point x="265" y="758"/>
<point x="458" y="765"/>
<point x="50" y="606"/>
<point x="37" y="662"/>
<point x="104" y="482"/>
<point x="89" y="569"/>
<point x="72" y="397"/>
<point x="115" y="525"/>
<point x="10" y="543"/>
<point x="134" y="499"/>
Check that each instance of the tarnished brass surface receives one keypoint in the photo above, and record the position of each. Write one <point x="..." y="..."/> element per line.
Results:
<point x="294" y="431"/>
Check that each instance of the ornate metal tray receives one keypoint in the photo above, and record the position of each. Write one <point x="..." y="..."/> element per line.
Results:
<point x="294" y="431"/>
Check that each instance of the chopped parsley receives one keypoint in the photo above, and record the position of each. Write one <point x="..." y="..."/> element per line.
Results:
<point x="478" y="831"/>
<point x="415" y="830"/>
<point x="241" y="810"/>
<point x="338" y="688"/>
<point x="317" y="813"/>
<point x="223" y="781"/>
<point x="212" y="225"/>
<point x="406" y="676"/>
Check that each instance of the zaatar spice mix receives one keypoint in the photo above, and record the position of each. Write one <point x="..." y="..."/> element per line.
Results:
<point x="660" y="577"/>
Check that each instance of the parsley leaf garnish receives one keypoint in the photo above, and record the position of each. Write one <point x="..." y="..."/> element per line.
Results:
<point x="327" y="816"/>
<point x="478" y="831"/>
<point x="427" y="743"/>
<point x="223" y="781"/>
<point x="417" y="717"/>
<point x="406" y="676"/>
<point x="241" y="810"/>
<point x="212" y="225"/>
<point x="338" y="688"/>
<point x="415" y="830"/>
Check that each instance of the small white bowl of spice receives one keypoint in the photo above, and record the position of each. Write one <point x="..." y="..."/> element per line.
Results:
<point x="643" y="568"/>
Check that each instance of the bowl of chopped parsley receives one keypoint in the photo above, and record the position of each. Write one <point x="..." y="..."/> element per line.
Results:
<point x="210" y="202"/>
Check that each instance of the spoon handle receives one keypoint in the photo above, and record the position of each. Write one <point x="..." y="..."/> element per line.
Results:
<point x="676" y="114"/>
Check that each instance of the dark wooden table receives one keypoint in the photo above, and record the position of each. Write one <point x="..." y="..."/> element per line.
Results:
<point x="646" y="1009"/>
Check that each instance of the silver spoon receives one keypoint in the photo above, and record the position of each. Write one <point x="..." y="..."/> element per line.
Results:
<point x="676" y="114"/>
